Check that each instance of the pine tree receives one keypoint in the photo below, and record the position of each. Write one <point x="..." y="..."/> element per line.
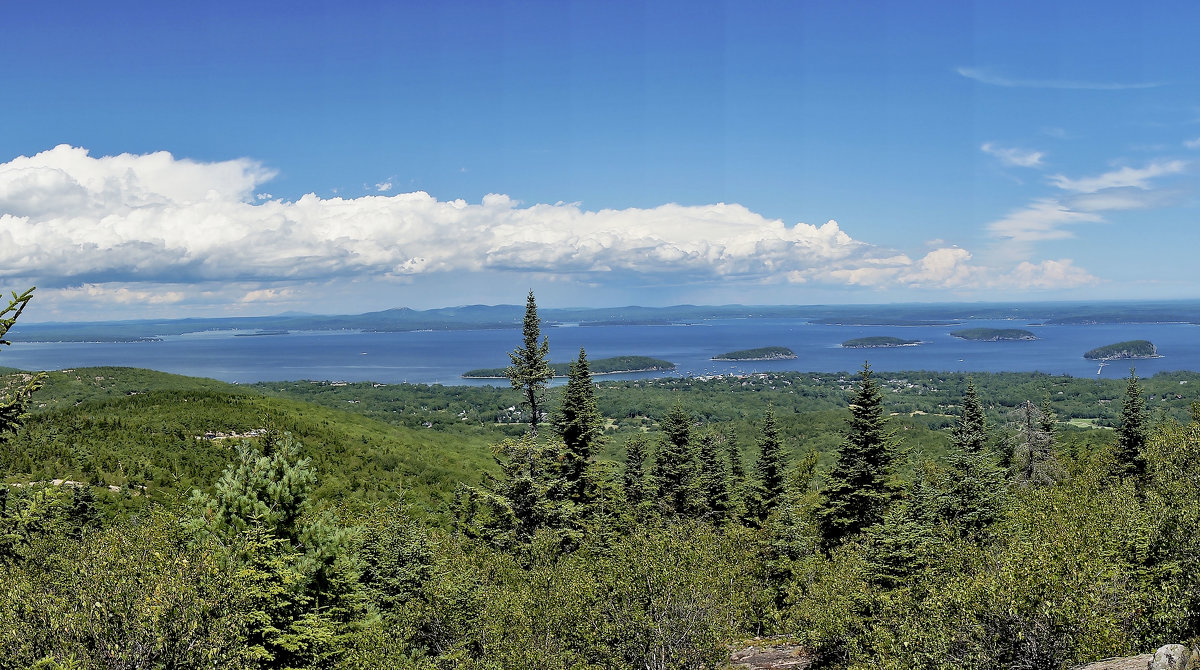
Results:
<point x="714" y="484"/>
<point x="295" y="567"/>
<point x="82" y="515"/>
<point x="1129" y="460"/>
<point x="970" y="431"/>
<point x="1033" y="460"/>
<point x="737" y="470"/>
<point x="579" y="423"/>
<point x="530" y="371"/>
<point x="861" y="487"/>
<point x="974" y="486"/>
<point x="635" y="470"/>
<point x="674" y="465"/>
<point x="12" y="404"/>
<point x="770" y="465"/>
<point x="524" y="497"/>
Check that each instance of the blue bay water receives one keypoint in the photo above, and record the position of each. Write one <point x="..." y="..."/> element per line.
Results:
<point x="442" y="356"/>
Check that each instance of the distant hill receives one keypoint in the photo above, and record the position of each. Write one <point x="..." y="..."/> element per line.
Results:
<point x="1131" y="349"/>
<point x="993" y="334"/>
<point x="468" y="317"/>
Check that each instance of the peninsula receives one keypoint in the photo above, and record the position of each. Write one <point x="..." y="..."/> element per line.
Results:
<point x="1131" y="349"/>
<point x="759" y="354"/>
<point x="993" y="334"/>
<point x="599" y="366"/>
<point x="879" y="342"/>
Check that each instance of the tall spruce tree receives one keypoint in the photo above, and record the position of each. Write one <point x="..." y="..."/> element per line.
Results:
<point x="530" y="371"/>
<point x="635" y="484"/>
<point x="737" y="470"/>
<point x="861" y="487"/>
<point x="973" y="487"/>
<point x="714" y="484"/>
<point x="578" y="422"/>
<point x="970" y="432"/>
<point x="1129" y="459"/>
<point x="770" y="465"/>
<point x="674" y="462"/>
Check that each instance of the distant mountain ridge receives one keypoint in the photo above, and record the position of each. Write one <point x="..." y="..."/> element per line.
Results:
<point x="475" y="317"/>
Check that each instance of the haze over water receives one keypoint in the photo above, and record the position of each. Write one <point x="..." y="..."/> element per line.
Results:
<point x="442" y="356"/>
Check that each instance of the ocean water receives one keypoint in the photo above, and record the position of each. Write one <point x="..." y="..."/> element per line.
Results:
<point x="442" y="356"/>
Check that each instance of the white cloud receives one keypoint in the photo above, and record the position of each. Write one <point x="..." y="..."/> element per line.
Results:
<point x="1055" y="274"/>
<point x="1014" y="157"/>
<point x="126" y="226"/>
<point x="984" y="77"/>
<point x="1192" y="144"/>
<point x="383" y="187"/>
<point x="1042" y="220"/>
<point x="950" y="268"/>
<point x="268" y="295"/>
<point x="118" y="294"/>
<point x="1121" y="178"/>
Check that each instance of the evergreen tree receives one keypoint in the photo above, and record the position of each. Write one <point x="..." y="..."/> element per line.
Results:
<point x="580" y="425"/>
<point x="1033" y="460"/>
<point x="530" y="371"/>
<point x="737" y="470"/>
<point x="526" y="496"/>
<point x="861" y="487"/>
<point x="298" y="574"/>
<point x="635" y="484"/>
<point x="738" y="494"/>
<point x="901" y="545"/>
<point x="12" y="403"/>
<point x="713" y="478"/>
<point x="674" y="466"/>
<point x="1129" y="460"/>
<point x="973" y="488"/>
<point x="970" y="431"/>
<point x="82" y="515"/>
<point x="770" y="464"/>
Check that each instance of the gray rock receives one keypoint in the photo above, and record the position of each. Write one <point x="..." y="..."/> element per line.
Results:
<point x="1170" y="657"/>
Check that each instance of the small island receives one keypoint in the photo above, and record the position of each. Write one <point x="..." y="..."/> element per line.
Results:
<point x="759" y="354"/>
<point x="878" y="343"/>
<point x="599" y="366"/>
<point x="261" y="333"/>
<point x="1132" y="349"/>
<point x="993" y="334"/>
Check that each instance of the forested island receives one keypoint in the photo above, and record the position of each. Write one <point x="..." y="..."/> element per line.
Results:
<point x="1131" y="349"/>
<point x="868" y="520"/>
<point x="262" y="333"/>
<point x="759" y="354"/>
<point x="993" y="334"/>
<point x="599" y="366"/>
<point x="878" y="342"/>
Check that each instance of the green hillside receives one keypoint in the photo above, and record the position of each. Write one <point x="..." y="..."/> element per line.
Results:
<point x="131" y="428"/>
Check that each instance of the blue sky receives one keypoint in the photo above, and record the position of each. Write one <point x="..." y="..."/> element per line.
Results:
<point x="175" y="159"/>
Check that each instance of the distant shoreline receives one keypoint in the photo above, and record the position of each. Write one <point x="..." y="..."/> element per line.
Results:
<point x="594" y="374"/>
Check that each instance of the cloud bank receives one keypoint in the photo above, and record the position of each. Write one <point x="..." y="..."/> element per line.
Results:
<point x="985" y="77"/>
<point x="1086" y="199"/>
<point x="73" y="220"/>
